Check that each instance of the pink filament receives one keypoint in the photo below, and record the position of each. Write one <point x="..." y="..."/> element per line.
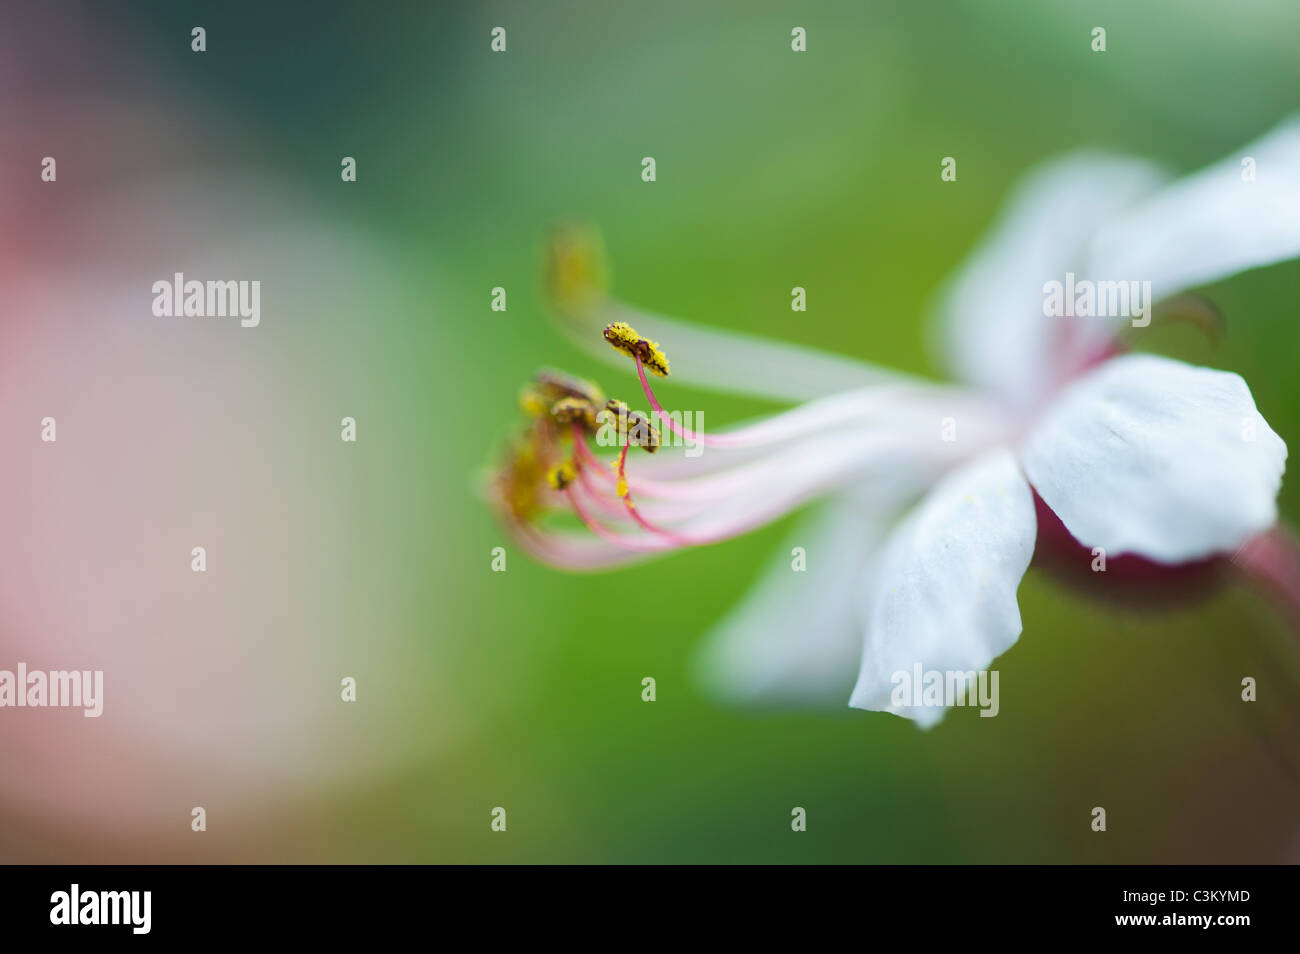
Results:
<point x="667" y="538"/>
<point x="584" y="452"/>
<point x="645" y="524"/>
<point x="610" y="507"/>
<point x="609" y="536"/>
<point x="708" y="440"/>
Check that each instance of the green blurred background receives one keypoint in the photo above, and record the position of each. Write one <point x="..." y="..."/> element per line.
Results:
<point x="774" y="169"/>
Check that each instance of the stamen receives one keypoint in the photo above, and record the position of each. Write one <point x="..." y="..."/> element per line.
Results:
<point x="597" y="466"/>
<point x="609" y="507"/>
<point x="581" y="552"/>
<point x="600" y="530"/>
<point x="572" y="410"/>
<point x="635" y="514"/>
<point x="621" y="469"/>
<point x="557" y="384"/>
<point x="586" y="456"/>
<point x="623" y="337"/>
<point x="697" y="437"/>
<point x="549" y="387"/>
<point x="669" y="538"/>
<point x="531" y="401"/>
<point x="576" y="274"/>
<point x="633" y="426"/>
<point x="520" y="476"/>
<point x="562" y="475"/>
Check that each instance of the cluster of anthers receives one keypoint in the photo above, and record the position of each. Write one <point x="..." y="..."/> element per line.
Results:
<point x="552" y="467"/>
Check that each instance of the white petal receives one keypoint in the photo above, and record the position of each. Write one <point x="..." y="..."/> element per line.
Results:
<point x="1211" y="224"/>
<point x="1156" y="457"/>
<point x="943" y="594"/>
<point x="795" y="637"/>
<point x="992" y="329"/>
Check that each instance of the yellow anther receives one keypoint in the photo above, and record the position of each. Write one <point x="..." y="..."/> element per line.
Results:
<point x="575" y="268"/>
<point x="520" y="477"/>
<point x="562" y="475"/>
<point x="550" y="389"/>
<point x="569" y="409"/>
<point x="641" y="433"/>
<point x="631" y="426"/>
<point x="623" y="337"/>
<point x="553" y="385"/>
<point x="531" y="402"/>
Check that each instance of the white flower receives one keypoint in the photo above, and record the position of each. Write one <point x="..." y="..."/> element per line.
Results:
<point x="931" y="520"/>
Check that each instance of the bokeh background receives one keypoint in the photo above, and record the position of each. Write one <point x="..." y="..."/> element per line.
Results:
<point x="522" y="689"/>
